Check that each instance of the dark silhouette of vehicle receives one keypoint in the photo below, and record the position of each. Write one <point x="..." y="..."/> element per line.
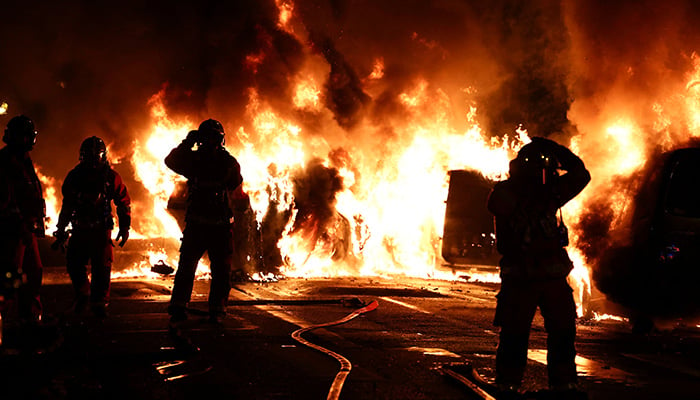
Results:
<point x="655" y="272"/>
<point x="468" y="235"/>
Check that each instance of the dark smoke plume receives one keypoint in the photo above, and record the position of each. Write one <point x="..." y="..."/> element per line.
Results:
<point x="315" y="188"/>
<point x="343" y="89"/>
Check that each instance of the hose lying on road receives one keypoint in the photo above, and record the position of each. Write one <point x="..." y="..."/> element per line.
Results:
<point x="345" y="365"/>
<point x="473" y="381"/>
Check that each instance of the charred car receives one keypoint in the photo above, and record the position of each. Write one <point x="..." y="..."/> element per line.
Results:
<point x="655" y="273"/>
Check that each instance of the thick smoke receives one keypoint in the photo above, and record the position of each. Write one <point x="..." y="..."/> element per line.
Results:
<point x="315" y="188"/>
<point x="629" y="60"/>
<point x="345" y="97"/>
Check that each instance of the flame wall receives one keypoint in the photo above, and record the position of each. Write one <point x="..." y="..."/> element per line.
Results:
<point x="391" y="94"/>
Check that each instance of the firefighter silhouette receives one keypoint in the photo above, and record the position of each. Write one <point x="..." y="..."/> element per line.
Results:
<point x="534" y="265"/>
<point x="213" y="182"/>
<point x="88" y="193"/>
<point x="22" y="213"/>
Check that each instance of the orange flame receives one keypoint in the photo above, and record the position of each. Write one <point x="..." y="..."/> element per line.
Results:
<point x="377" y="69"/>
<point x="391" y="216"/>
<point x="50" y="187"/>
<point x="158" y="179"/>
<point x="286" y="10"/>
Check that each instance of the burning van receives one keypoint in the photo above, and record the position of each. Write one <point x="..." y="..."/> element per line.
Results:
<point x="655" y="273"/>
<point x="468" y="236"/>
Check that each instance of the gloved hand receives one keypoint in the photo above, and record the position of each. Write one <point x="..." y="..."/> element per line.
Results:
<point x="566" y="158"/>
<point x="123" y="235"/>
<point x="37" y="227"/>
<point x="192" y="138"/>
<point x="563" y="155"/>
<point x="61" y="236"/>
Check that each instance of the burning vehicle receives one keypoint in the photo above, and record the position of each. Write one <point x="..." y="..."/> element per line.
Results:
<point x="469" y="236"/>
<point x="653" y="271"/>
<point x="311" y="215"/>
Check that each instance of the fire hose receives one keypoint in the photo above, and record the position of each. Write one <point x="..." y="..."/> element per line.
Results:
<point x="345" y="365"/>
<point x="466" y="374"/>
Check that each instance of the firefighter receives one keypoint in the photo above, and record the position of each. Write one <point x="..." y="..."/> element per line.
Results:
<point x="88" y="193"/>
<point x="22" y="215"/>
<point x="213" y="177"/>
<point x="531" y="238"/>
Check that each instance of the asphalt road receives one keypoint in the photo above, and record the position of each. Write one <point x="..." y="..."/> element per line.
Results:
<point x="396" y="351"/>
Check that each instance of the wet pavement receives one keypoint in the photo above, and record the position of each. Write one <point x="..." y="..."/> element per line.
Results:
<point x="395" y="351"/>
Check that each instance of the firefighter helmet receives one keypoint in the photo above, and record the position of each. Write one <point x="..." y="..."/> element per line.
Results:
<point x="211" y="132"/>
<point x="535" y="161"/>
<point x="211" y="125"/>
<point x="20" y="132"/>
<point x="93" y="151"/>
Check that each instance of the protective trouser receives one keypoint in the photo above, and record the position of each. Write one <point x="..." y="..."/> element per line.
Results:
<point x="515" y="310"/>
<point x="217" y="241"/>
<point x="93" y="246"/>
<point x="19" y="255"/>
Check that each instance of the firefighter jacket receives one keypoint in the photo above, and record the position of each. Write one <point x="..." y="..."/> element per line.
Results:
<point x="213" y="175"/>
<point x="22" y="206"/>
<point x="530" y="235"/>
<point x="88" y="193"/>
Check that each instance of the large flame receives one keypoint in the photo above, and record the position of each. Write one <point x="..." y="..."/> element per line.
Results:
<point x="160" y="182"/>
<point x="150" y="169"/>
<point x="391" y="206"/>
<point x="393" y="198"/>
<point x="49" y="186"/>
